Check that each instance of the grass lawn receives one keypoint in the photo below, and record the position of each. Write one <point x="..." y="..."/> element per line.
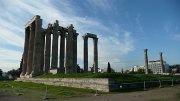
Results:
<point x="33" y="90"/>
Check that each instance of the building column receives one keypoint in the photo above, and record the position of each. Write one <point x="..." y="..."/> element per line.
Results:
<point x="43" y="52"/>
<point x="25" y="54"/>
<point x="62" y="51"/>
<point x="55" y="46"/>
<point x="85" y="54"/>
<point x="161" y="62"/>
<point x="48" y="49"/>
<point x="36" y="70"/>
<point x="95" y="40"/>
<point x="75" y="51"/>
<point x="146" y="61"/>
<point x="69" y="50"/>
<point x="31" y="49"/>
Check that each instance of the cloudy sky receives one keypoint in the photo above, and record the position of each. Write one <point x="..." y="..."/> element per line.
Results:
<point x="124" y="28"/>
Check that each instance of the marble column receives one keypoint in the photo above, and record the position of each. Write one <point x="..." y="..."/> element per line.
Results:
<point x="69" y="50"/>
<point x="146" y="61"/>
<point x="161" y="62"/>
<point x="62" y="51"/>
<point x="48" y="49"/>
<point x="75" y="51"/>
<point x="55" y="46"/>
<point x="36" y="70"/>
<point x="43" y="51"/>
<point x="85" y="54"/>
<point x="31" y="49"/>
<point x="95" y="40"/>
<point x="25" y="54"/>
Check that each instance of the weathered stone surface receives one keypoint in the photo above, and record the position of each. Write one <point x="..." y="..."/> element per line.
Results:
<point x="48" y="49"/>
<point x="62" y="51"/>
<point x="36" y="70"/>
<point x="101" y="84"/>
<point x="95" y="55"/>
<point x="85" y="54"/>
<point x="31" y="49"/>
<point x="25" y="54"/>
<point x="55" y="46"/>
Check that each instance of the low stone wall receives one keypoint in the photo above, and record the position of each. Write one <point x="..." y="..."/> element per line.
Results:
<point x="101" y="84"/>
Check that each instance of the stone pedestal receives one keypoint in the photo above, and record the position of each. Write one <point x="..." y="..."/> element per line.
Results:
<point x="54" y="71"/>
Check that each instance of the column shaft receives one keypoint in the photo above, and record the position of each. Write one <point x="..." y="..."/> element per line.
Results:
<point x="31" y="49"/>
<point x="38" y="47"/>
<point x="42" y="52"/>
<point x="55" y="47"/>
<point x="85" y="54"/>
<point x="25" y="54"/>
<point x="69" y="51"/>
<point x="95" y="55"/>
<point x="47" y="52"/>
<point x="75" y="52"/>
<point x="62" y="51"/>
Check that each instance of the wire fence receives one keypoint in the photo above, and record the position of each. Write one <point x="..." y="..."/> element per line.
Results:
<point x="144" y="85"/>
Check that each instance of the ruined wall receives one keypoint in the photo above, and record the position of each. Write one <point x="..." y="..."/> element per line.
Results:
<point x="101" y="84"/>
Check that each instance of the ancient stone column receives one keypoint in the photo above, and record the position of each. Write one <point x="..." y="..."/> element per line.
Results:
<point x="55" y="46"/>
<point x="161" y="62"/>
<point x="31" y="49"/>
<point x="43" y="51"/>
<point x="69" y="50"/>
<point x="25" y="54"/>
<point x="36" y="70"/>
<point x="146" y="60"/>
<point x="85" y="54"/>
<point x="62" y="51"/>
<point x="48" y="49"/>
<point x="95" y="40"/>
<point x="75" y="50"/>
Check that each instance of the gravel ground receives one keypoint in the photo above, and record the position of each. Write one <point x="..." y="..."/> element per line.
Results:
<point x="159" y="94"/>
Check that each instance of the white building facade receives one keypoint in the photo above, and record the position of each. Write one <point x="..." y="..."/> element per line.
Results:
<point x="155" y="66"/>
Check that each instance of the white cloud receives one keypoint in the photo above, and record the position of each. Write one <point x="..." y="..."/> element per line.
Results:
<point x="9" y="59"/>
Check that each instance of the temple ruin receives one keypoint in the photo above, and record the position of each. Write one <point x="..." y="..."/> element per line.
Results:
<point x="40" y="54"/>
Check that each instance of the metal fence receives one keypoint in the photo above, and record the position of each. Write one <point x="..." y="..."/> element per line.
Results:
<point x="146" y="84"/>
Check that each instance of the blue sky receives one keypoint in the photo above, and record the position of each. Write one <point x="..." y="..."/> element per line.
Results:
<point x="124" y="28"/>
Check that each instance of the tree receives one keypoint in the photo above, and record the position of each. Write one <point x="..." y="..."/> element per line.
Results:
<point x="1" y="72"/>
<point x="141" y="71"/>
<point x="109" y="68"/>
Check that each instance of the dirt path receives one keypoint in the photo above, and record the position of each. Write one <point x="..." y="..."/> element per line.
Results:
<point x="160" y="94"/>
